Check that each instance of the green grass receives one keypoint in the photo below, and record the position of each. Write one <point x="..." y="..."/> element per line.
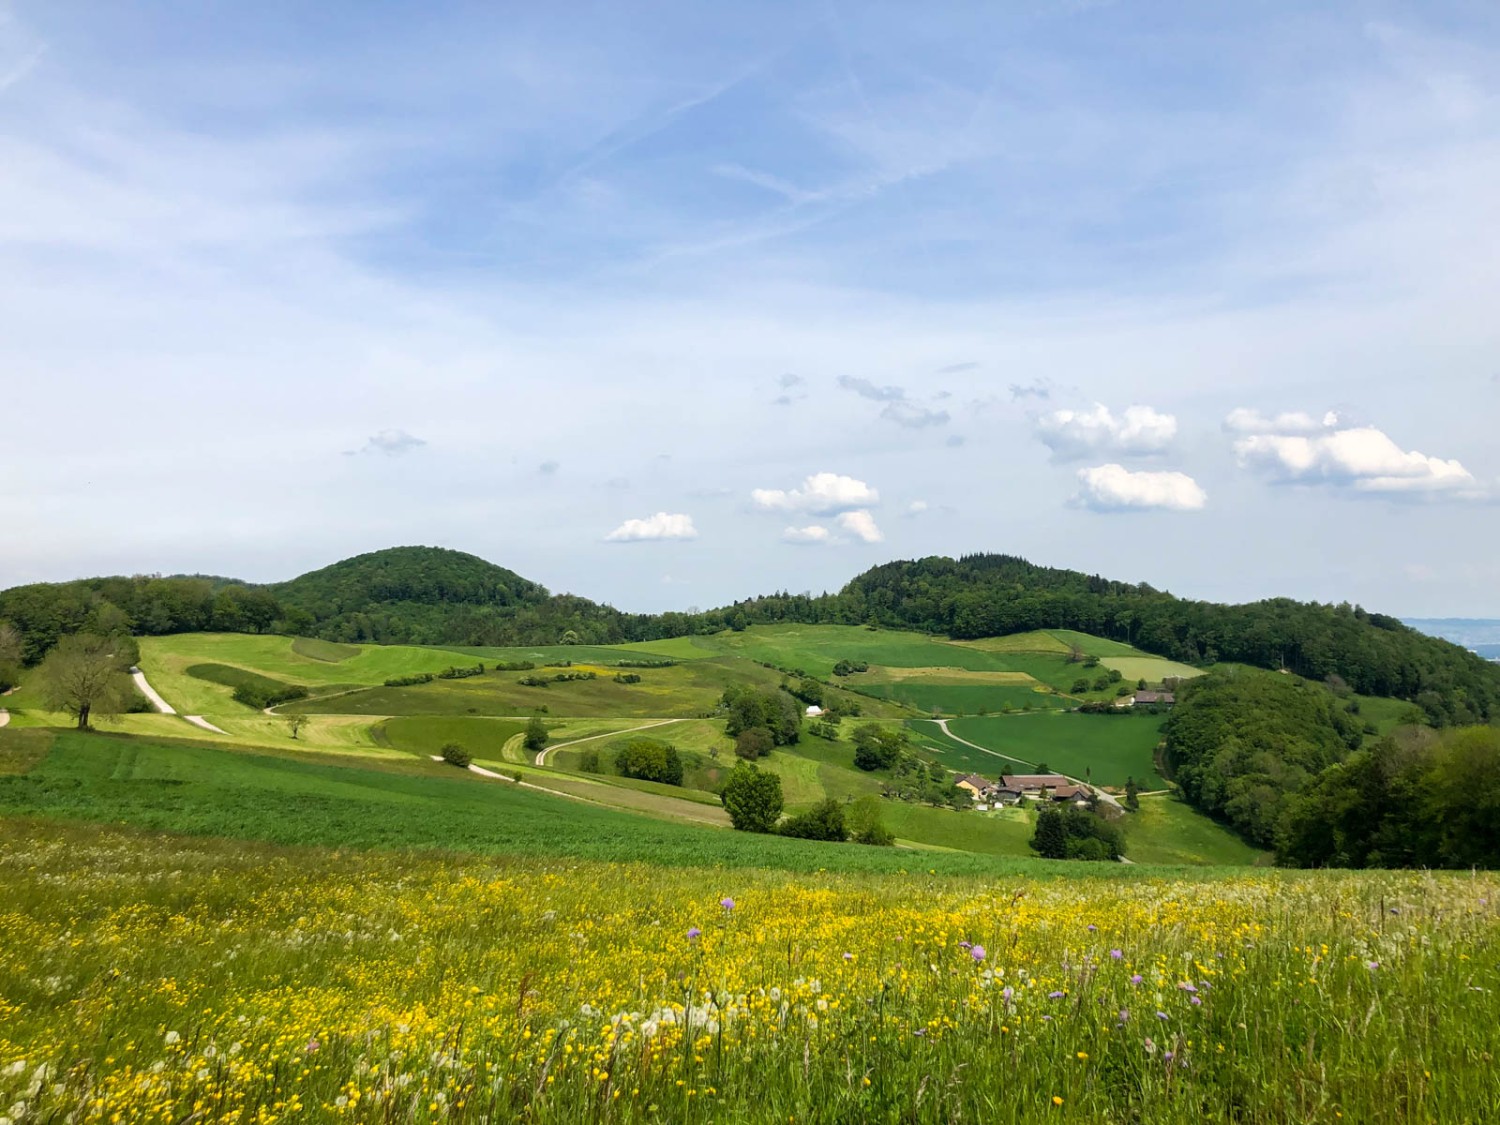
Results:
<point x="1152" y="669"/>
<point x="149" y="977"/>
<point x="327" y="651"/>
<point x="482" y="738"/>
<point x="287" y="799"/>
<point x="684" y="690"/>
<point x="236" y="678"/>
<point x="1113" y="747"/>
<point x="965" y="699"/>
<point x="1168" y="830"/>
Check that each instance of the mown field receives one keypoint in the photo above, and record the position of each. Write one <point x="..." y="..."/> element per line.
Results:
<point x="155" y="978"/>
<point x="1107" y="749"/>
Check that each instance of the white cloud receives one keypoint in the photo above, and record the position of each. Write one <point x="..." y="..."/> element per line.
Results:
<point x="1073" y="435"/>
<point x="822" y="494"/>
<point x="663" y="525"/>
<point x="916" y="508"/>
<point x="1293" y="448"/>
<point x="1362" y="458"/>
<point x="1246" y="421"/>
<point x="1114" y="488"/>
<point x="814" y="533"/>
<point x="861" y="525"/>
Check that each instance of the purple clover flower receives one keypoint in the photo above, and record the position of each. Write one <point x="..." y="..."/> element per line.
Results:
<point x="1116" y="955"/>
<point x="1136" y="978"/>
<point x="977" y="953"/>
<point x="1056" y="995"/>
<point x="727" y="903"/>
<point x="1162" y="1016"/>
<point x="694" y="933"/>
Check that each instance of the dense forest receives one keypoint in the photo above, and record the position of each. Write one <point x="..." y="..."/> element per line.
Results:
<point x="429" y="595"/>
<point x="1282" y="761"/>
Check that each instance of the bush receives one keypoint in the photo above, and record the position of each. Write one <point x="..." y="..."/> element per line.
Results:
<point x="650" y="760"/>
<point x="536" y="734"/>
<point x="862" y="819"/>
<point x="850" y="667"/>
<point x="589" y="761"/>
<point x="752" y="798"/>
<point x="1071" y="833"/>
<point x="461" y="673"/>
<point x="878" y="748"/>
<point x="410" y="681"/>
<point x="754" y="743"/>
<point x="824" y="821"/>
<point x="533" y="681"/>
<point x="627" y="678"/>
<point x="456" y="755"/>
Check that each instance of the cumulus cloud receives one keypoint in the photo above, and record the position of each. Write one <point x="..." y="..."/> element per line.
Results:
<point x="392" y="443"/>
<point x="822" y="494"/>
<point x="861" y="525"/>
<point x="899" y="408"/>
<point x="1114" y="488"/>
<point x="1293" y="448"/>
<point x="663" y="525"/>
<point x="812" y="534"/>
<point x="1075" y="434"/>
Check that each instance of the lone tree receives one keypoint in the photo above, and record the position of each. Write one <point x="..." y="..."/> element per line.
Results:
<point x="536" y="734"/>
<point x="295" y="723"/>
<point x="752" y="798"/>
<point x="85" y="676"/>
<point x="456" y="755"/>
<point x="1050" y="841"/>
<point x="1132" y="795"/>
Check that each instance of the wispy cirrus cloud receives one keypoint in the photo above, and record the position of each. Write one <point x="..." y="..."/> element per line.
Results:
<point x="391" y="443"/>
<point x="898" y="407"/>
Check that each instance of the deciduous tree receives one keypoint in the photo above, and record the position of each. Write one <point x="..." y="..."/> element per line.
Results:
<point x="85" y="676"/>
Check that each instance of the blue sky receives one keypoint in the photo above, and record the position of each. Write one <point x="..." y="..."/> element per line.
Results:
<point x="670" y="304"/>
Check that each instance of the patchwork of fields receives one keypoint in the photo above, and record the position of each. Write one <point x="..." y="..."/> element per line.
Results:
<point x="1022" y="682"/>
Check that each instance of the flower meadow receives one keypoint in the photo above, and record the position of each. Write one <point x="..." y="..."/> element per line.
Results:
<point x="161" y="979"/>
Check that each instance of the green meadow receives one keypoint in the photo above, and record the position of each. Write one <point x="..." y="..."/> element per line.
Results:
<point x="1106" y="749"/>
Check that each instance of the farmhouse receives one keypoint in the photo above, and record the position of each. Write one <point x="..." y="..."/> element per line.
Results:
<point x="1164" y="698"/>
<point x="980" y="788"/>
<point x="1032" y="784"/>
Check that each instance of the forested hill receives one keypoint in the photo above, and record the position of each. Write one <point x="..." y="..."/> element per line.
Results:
<point x="991" y="595"/>
<point x="430" y="595"/>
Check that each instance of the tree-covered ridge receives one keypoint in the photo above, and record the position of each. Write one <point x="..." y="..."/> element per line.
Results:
<point x="1239" y="745"/>
<point x="993" y="595"/>
<point x="430" y="595"/>
<point x="421" y="595"/>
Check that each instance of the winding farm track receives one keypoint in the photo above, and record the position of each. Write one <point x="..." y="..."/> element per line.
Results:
<point x="943" y="726"/>
<point x="200" y="721"/>
<point x="150" y="693"/>
<point x="541" y="755"/>
<point x="4" y="716"/>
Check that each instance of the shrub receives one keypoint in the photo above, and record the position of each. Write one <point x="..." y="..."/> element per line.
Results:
<point x="824" y="821"/>
<point x="536" y="734"/>
<point x="862" y="819"/>
<point x="627" y="678"/>
<point x="410" y="681"/>
<point x="650" y="760"/>
<point x="456" y="755"/>
<point x="754" y="743"/>
<point x="752" y="798"/>
<point x="589" y="761"/>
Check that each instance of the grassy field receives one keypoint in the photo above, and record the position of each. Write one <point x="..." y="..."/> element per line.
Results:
<point x="1108" y="748"/>
<point x="151" y="978"/>
<point x="482" y="738"/>
<point x="1152" y="669"/>
<point x="1167" y="830"/>
<point x="401" y="802"/>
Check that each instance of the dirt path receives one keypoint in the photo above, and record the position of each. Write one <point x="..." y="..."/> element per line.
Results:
<point x="150" y="693"/>
<point x="943" y="726"/>
<point x="200" y="721"/>
<point x="4" y="716"/>
<point x="541" y="755"/>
